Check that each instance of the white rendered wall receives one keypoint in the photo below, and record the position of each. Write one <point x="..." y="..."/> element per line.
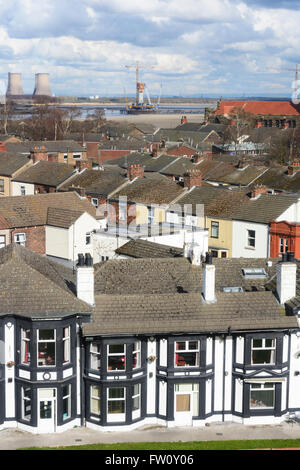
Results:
<point x="239" y="240"/>
<point x="294" y="385"/>
<point x="151" y="378"/>
<point x="9" y="348"/>
<point x="77" y="235"/>
<point x="16" y="188"/>
<point x="57" y="242"/>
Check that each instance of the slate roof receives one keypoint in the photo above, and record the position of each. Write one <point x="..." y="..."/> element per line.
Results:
<point x="31" y="210"/>
<point x="10" y="163"/>
<point x="228" y="173"/>
<point x="145" y="249"/>
<point x="130" y="159"/>
<point x="158" y="163"/>
<point x="35" y="287"/>
<point x="153" y="188"/>
<point x="51" y="146"/>
<point x="278" y="179"/>
<point x="187" y="313"/>
<point x="96" y="181"/>
<point x="179" y="167"/>
<point x="177" y="135"/>
<point x="44" y="172"/>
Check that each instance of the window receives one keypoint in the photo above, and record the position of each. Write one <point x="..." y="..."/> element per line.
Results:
<point x="136" y="401"/>
<point x="66" y="344"/>
<point x="95" y="399"/>
<point x="88" y="238"/>
<point x="186" y="353"/>
<point x="116" y="400"/>
<point x="46" y="347"/>
<point x="223" y="254"/>
<point x="20" y="238"/>
<point x="150" y="215"/>
<point x="76" y="155"/>
<point x="251" y="238"/>
<point x="215" y="229"/>
<point x="116" y="357"/>
<point x="94" y="201"/>
<point x="263" y="351"/>
<point x="66" y="401"/>
<point x="214" y="253"/>
<point x="254" y="273"/>
<point x="25" y="346"/>
<point x="26" y="403"/>
<point x="65" y="156"/>
<point x="122" y="211"/>
<point x="1" y="186"/>
<point x="2" y="241"/>
<point x="284" y="245"/>
<point x="22" y="190"/>
<point x="136" y="355"/>
<point x="95" y="356"/>
<point x="262" y="395"/>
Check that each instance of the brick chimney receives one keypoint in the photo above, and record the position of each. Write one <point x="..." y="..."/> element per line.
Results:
<point x="135" y="171"/>
<point x="193" y="178"/>
<point x="38" y="153"/>
<point x="258" y="190"/>
<point x="82" y="164"/>
<point x="259" y="124"/>
<point x="197" y="157"/>
<point x="85" y="278"/>
<point x="183" y="120"/>
<point x="2" y="147"/>
<point x="293" y="168"/>
<point x="53" y="157"/>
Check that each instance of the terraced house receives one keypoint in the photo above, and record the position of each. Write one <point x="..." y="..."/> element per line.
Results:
<point x="129" y="342"/>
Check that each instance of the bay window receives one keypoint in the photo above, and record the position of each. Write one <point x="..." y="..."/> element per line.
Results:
<point x="186" y="353"/>
<point x="263" y="351"/>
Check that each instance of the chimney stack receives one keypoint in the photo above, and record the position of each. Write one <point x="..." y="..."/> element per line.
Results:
<point x="208" y="279"/>
<point x="286" y="271"/>
<point x="294" y="168"/>
<point x="85" y="278"/>
<point x="38" y="153"/>
<point x="183" y="120"/>
<point x="193" y="178"/>
<point x="135" y="171"/>
<point x="258" y="190"/>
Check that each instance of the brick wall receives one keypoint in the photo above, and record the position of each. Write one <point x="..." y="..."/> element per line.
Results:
<point x="35" y="238"/>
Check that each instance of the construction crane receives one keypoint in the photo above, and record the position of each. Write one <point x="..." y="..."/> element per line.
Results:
<point x="140" y="86"/>
<point x="295" y="98"/>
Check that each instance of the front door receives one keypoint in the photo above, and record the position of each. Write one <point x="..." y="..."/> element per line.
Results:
<point x="185" y="403"/>
<point x="46" y="410"/>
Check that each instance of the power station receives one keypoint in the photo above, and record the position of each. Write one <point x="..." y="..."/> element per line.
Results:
<point x="15" y="89"/>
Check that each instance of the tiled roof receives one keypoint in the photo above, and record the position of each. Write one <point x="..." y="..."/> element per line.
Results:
<point x="62" y="217"/>
<point x="27" y="211"/>
<point x="35" y="287"/>
<point x="179" y="167"/>
<point x="9" y="163"/>
<point x="145" y="249"/>
<point x="171" y="275"/>
<point x="96" y="182"/>
<point x="228" y="173"/>
<point x="278" y="179"/>
<point x="187" y="313"/>
<point x="130" y="159"/>
<point x="260" y="107"/>
<point x="153" y="188"/>
<point x="44" y="172"/>
<point x="51" y="146"/>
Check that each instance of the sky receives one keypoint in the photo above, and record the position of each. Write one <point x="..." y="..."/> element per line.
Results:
<point x="184" y="47"/>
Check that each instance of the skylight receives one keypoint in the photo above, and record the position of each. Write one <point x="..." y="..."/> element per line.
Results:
<point x="233" y="289"/>
<point x="254" y="272"/>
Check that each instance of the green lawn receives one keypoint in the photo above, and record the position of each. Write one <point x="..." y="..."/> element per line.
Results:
<point x="193" y="445"/>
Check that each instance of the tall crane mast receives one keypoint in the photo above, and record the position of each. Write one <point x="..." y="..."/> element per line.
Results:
<point x="140" y="86"/>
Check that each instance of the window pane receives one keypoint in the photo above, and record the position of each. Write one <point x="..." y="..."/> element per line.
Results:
<point x="95" y="406"/>
<point x="116" y="363"/>
<point x="180" y="346"/>
<point x="262" y="398"/>
<point x="116" y="392"/>
<point x="46" y="334"/>
<point x="117" y="406"/>
<point x="187" y="359"/>
<point x="193" y="344"/>
<point x="257" y="343"/>
<point x="116" y="348"/>
<point x="46" y="354"/>
<point x="136" y="403"/>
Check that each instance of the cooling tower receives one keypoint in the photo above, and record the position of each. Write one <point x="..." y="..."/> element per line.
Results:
<point x="14" y="86"/>
<point x="42" y="85"/>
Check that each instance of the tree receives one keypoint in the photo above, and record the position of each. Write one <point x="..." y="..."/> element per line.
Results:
<point x="6" y="113"/>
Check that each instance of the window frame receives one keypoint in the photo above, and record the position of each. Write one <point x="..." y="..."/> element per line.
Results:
<point x="2" y="244"/>
<point x="272" y="350"/>
<point x="136" y="412"/>
<point x="25" y="399"/>
<point x="113" y="416"/>
<point x="25" y="341"/>
<point x="262" y="388"/>
<point x="214" y="226"/>
<point x="68" y="398"/>
<point x="109" y="354"/>
<point x="96" y="399"/>
<point x="251" y="237"/>
<point x="94" y="354"/>
<point x="2" y="185"/>
<point x="187" y="351"/>
<point x="22" y="243"/>
<point x="46" y="341"/>
<point x="283" y="244"/>
<point x="66" y="340"/>
<point x="137" y="349"/>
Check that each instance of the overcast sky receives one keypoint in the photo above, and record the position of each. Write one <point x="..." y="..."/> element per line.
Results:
<point x="217" y="47"/>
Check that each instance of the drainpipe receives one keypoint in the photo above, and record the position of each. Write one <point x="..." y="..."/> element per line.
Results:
<point x="224" y="375"/>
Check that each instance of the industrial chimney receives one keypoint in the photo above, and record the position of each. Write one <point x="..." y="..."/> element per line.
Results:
<point x="14" y="86"/>
<point x="42" y="85"/>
